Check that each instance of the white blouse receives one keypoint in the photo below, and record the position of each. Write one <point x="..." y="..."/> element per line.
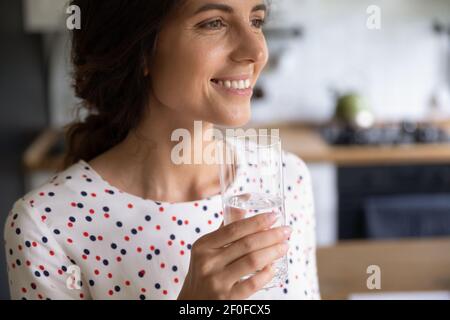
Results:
<point x="78" y="237"/>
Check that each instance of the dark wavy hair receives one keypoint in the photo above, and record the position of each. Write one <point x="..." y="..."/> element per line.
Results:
<point x="109" y="54"/>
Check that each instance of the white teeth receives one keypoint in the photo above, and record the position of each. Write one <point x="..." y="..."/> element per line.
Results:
<point x="234" y="84"/>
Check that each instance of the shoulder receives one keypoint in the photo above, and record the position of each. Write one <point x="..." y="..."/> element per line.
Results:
<point x="45" y="203"/>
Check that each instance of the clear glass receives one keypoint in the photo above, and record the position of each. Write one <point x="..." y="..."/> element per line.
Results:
<point x="251" y="179"/>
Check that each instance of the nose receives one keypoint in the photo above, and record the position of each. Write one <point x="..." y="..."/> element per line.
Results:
<point x="250" y="46"/>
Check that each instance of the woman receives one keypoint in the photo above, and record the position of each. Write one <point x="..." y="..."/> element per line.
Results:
<point x="122" y="221"/>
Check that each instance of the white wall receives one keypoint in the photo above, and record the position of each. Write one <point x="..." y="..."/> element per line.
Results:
<point x="396" y="67"/>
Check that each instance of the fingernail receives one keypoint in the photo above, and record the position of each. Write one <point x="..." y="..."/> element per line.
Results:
<point x="273" y="216"/>
<point x="287" y="231"/>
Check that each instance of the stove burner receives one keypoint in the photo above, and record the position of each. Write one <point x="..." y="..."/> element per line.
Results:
<point x="393" y="134"/>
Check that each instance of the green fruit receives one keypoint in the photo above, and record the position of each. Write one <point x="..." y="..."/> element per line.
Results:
<point x="349" y="106"/>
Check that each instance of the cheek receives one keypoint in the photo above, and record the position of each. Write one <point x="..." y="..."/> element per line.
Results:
<point x="181" y="76"/>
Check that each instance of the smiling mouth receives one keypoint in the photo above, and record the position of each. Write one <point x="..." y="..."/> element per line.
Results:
<point x="233" y="84"/>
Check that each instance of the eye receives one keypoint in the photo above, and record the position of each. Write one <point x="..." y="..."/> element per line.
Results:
<point x="213" y="25"/>
<point x="258" y="23"/>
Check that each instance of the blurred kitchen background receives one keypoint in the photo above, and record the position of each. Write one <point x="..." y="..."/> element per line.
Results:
<point x="368" y="110"/>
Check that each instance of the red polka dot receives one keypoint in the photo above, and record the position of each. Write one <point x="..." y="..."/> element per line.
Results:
<point x="20" y="247"/>
<point x="81" y="295"/>
<point x="73" y="204"/>
<point x="158" y="227"/>
<point x="96" y="272"/>
<point x="163" y="265"/>
<point x="41" y="194"/>
<point x="70" y="224"/>
<point x="24" y="290"/>
<point x="140" y="228"/>
<point x="84" y="257"/>
<point x="196" y="204"/>
<point x="174" y="218"/>
<point x="127" y="238"/>
<point x="60" y="272"/>
<point x="69" y="240"/>
<point x="130" y="206"/>
<point x="143" y="290"/>
<point x="40" y="296"/>
<point x="106" y="215"/>
<point x="186" y="221"/>
<point x="52" y="253"/>
<point x="34" y="244"/>
<point x="93" y="194"/>
<point x="110" y="292"/>
<point x="169" y="243"/>
<point x="139" y="249"/>
<point x="119" y="259"/>
<point x="28" y="263"/>
<point x="176" y="280"/>
<point x="182" y="252"/>
<point x="161" y="209"/>
<point x="85" y="234"/>
<point x="152" y="248"/>
<point x="182" y="242"/>
<point x="209" y="221"/>
<point x="100" y="238"/>
<point x="43" y="218"/>
<point x="110" y="275"/>
<point x="91" y="211"/>
<point x="41" y="267"/>
<point x="165" y="292"/>
<point x="127" y="283"/>
<point x="98" y="258"/>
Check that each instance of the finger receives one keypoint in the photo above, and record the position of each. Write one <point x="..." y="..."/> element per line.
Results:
<point x="239" y="229"/>
<point x="233" y="215"/>
<point x="255" y="242"/>
<point x="244" y="289"/>
<point x="255" y="261"/>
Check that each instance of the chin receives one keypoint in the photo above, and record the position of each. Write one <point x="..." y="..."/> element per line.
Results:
<point x="234" y="119"/>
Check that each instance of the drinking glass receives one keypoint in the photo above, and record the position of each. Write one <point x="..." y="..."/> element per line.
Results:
<point x="251" y="178"/>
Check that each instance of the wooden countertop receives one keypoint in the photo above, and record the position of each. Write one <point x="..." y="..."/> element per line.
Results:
<point x="406" y="265"/>
<point x="306" y="142"/>
<point x="300" y="139"/>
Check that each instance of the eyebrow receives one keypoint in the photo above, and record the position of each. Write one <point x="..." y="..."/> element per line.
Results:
<point x="226" y="8"/>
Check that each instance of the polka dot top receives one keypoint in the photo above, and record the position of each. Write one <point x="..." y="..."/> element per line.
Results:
<point x="78" y="237"/>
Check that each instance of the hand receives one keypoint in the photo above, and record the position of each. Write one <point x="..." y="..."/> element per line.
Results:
<point x="221" y="258"/>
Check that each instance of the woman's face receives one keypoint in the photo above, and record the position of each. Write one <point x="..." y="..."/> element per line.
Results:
<point x="208" y="58"/>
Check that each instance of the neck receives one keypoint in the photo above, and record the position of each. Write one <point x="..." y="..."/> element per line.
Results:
<point x="142" y="164"/>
